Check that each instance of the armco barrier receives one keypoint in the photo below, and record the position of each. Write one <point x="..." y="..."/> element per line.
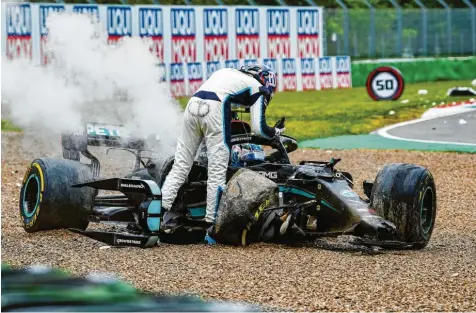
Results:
<point x="415" y="70"/>
<point x="192" y="42"/>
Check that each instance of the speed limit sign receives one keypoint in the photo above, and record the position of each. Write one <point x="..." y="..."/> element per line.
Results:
<point x="385" y="83"/>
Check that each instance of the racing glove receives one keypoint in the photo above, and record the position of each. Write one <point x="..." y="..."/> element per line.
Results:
<point x="279" y="127"/>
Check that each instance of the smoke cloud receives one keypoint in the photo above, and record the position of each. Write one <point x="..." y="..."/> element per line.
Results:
<point x="89" y="81"/>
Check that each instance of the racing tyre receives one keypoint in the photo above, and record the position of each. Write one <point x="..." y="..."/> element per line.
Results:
<point x="47" y="200"/>
<point x="405" y="194"/>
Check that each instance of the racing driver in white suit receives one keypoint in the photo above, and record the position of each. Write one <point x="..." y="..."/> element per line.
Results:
<point x="208" y="115"/>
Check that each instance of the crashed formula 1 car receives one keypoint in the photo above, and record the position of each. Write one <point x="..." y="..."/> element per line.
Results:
<point x="267" y="199"/>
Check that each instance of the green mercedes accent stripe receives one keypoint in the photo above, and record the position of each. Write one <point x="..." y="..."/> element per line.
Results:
<point x="327" y="204"/>
<point x="197" y="211"/>
<point x="297" y="191"/>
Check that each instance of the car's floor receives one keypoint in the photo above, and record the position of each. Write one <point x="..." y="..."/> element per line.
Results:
<point x="441" y="277"/>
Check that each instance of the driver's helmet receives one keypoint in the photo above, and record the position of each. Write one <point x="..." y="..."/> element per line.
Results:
<point x="265" y="75"/>
<point x="247" y="153"/>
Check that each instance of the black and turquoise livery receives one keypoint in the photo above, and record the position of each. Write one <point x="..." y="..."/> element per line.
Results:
<point x="398" y="210"/>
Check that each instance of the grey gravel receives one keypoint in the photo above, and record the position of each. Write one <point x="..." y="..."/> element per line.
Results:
<point x="442" y="277"/>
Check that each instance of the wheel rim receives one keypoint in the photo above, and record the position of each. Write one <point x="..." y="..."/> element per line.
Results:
<point x="426" y="210"/>
<point x="31" y="196"/>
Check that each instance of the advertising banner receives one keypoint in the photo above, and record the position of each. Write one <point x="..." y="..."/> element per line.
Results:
<point x="194" y="77"/>
<point x="184" y="43"/>
<point x="247" y="33"/>
<point x="19" y="31"/>
<point x="215" y="33"/>
<point x="279" y="29"/>
<point x="192" y="42"/>
<point x="177" y="80"/>
<point x="289" y="80"/>
<point x="119" y="22"/>
<point x="343" y="72"/>
<point x="151" y="27"/>
<point x="308" y="28"/>
<point x="308" y="74"/>
<point x="326" y="78"/>
<point x="44" y="11"/>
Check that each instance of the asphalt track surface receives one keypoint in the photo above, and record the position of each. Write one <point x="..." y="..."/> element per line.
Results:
<point x="441" y="129"/>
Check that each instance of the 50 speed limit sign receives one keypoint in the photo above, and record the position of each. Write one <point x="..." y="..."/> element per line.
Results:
<point x="385" y="83"/>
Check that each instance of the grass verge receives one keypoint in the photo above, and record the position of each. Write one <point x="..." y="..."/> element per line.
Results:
<point x="320" y="114"/>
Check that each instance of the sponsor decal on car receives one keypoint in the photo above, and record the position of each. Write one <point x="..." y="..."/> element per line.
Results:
<point x="241" y="139"/>
<point x="94" y="130"/>
<point x="151" y="27"/>
<point x="278" y="28"/>
<point x="348" y="193"/>
<point x="247" y="33"/>
<point x="19" y="28"/>
<point x="215" y="34"/>
<point x="137" y="186"/>
<point x="183" y="35"/>
<point x="129" y="241"/>
<point x="272" y="175"/>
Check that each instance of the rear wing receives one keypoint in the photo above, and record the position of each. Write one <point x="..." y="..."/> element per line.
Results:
<point x="99" y="135"/>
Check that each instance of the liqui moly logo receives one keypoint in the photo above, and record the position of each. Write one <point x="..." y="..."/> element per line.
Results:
<point x="247" y="33"/>
<point x="195" y="76"/>
<point x="249" y="62"/>
<point x="325" y="73"/>
<point x="151" y="28"/>
<point x="212" y="67"/>
<point x="308" y="33"/>
<point x="19" y="43"/>
<point x="89" y="10"/>
<point x="215" y="30"/>
<point x="45" y="11"/>
<point x="232" y="64"/>
<point x="308" y="74"/>
<point x="278" y="27"/>
<point x="343" y="72"/>
<point x="119" y="22"/>
<point x="177" y="79"/>
<point x="289" y="74"/>
<point x="271" y="63"/>
<point x="183" y="35"/>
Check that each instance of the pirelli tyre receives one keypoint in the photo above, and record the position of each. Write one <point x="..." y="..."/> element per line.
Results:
<point x="47" y="200"/>
<point x="405" y="194"/>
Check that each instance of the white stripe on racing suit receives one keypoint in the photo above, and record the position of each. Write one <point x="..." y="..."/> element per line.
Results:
<point x="208" y="115"/>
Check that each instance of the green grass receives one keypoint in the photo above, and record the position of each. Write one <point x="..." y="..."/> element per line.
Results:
<point x="318" y="114"/>
<point x="8" y="126"/>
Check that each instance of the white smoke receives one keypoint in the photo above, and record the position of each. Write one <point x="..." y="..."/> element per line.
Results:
<point x="89" y="81"/>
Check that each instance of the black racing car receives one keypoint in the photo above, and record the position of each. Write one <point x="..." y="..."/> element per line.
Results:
<point x="317" y="199"/>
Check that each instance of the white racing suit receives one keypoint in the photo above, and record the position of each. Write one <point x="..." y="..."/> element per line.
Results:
<point x="208" y="115"/>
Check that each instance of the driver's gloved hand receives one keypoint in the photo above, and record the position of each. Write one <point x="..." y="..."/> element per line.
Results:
<point x="279" y="131"/>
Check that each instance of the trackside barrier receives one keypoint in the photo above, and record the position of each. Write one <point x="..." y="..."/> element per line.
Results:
<point x="294" y="74"/>
<point x="193" y="41"/>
